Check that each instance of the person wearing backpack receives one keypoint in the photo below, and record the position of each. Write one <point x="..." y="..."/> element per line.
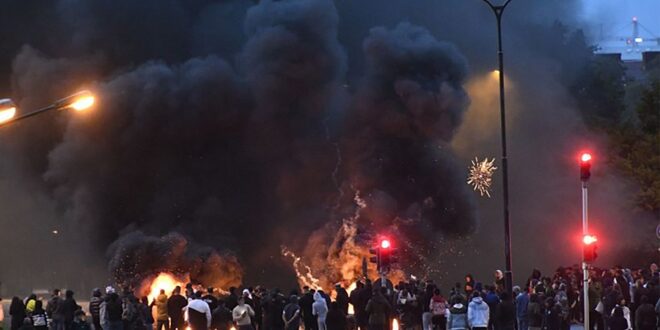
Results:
<point x="438" y="307"/>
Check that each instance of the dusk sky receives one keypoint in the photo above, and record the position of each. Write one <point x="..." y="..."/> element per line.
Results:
<point x="616" y="14"/>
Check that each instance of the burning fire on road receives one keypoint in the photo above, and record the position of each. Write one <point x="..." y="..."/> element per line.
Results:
<point x="164" y="281"/>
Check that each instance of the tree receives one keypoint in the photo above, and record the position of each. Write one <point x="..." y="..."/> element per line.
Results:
<point x="636" y="148"/>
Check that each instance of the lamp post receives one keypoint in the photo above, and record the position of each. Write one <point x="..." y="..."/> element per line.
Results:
<point x="79" y="101"/>
<point x="498" y="10"/>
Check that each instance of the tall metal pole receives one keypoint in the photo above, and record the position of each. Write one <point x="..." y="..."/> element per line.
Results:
<point x="585" y="267"/>
<point x="498" y="10"/>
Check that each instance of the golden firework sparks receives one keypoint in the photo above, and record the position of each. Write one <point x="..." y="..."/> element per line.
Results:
<point x="481" y="175"/>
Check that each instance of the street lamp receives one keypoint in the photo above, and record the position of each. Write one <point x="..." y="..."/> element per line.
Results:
<point x="80" y="101"/>
<point x="498" y="10"/>
<point x="7" y="110"/>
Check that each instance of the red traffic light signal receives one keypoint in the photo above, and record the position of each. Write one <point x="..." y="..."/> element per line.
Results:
<point x="385" y="244"/>
<point x="589" y="246"/>
<point x="585" y="166"/>
<point x="589" y="239"/>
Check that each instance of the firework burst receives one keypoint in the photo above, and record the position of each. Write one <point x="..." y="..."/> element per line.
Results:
<point x="480" y="176"/>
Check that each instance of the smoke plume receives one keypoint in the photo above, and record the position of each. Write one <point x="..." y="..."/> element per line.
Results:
<point x="136" y="256"/>
<point x="227" y="129"/>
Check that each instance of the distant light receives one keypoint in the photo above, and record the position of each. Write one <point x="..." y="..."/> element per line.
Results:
<point x="55" y="232"/>
<point x="634" y="18"/>
<point x="585" y="157"/>
<point x="495" y="73"/>
<point x="639" y="40"/>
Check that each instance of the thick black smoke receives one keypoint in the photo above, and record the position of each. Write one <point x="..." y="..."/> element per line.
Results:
<point x="244" y="126"/>
<point x="136" y="256"/>
<point x="404" y="115"/>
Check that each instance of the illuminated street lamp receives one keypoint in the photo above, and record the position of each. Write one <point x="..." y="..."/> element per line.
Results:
<point x="498" y="10"/>
<point x="80" y="101"/>
<point x="7" y="110"/>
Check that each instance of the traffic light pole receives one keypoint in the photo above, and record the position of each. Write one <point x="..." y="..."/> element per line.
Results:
<point x="585" y="267"/>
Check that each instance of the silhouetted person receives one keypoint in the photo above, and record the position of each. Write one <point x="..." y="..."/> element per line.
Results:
<point x="379" y="310"/>
<point x="17" y="313"/>
<point x="342" y="298"/>
<point x="210" y="299"/>
<point x="336" y="319"/>
<point x="175" y="306"/>
<point x="305" y="303"/>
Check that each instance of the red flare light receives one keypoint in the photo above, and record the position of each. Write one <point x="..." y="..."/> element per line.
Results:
<point x="586" y="157"/>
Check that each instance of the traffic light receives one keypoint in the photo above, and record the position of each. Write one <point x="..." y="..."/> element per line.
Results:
<point x="589" y="246"/>
<point x="585" y="166"/>
<point x="388" y="254"/>
<point x="375" y="256"/>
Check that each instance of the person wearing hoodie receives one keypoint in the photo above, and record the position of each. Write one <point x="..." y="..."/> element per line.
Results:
<point x="438" y="307"/>
<point x="478" y="313"/>
<point x="378" y="310"/>
<point x="30" y="304"/>
<point x="199" y="313"/>
<point x="162" y="318"/>
<point x="457" y="319"/>
<point x="320" y="309"/>
<point x="522" y="302"/>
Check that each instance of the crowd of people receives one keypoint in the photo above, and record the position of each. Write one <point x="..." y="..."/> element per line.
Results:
<point x="620" y="299"/>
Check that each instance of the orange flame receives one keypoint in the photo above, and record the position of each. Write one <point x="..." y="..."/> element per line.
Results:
<point x="395" y="324"/>
<point x="164" y="281"/>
